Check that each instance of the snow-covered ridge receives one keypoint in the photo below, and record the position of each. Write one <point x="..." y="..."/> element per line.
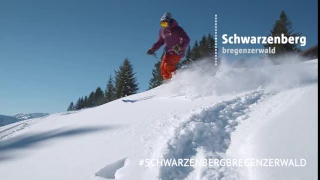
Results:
<point x="5" y="120"/>
<point x="23" y="116"/>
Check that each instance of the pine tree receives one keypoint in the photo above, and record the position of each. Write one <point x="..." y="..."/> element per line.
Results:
<point x="186" y="61"/>
<point x="85" y="102"/>
<point x="211" y="43"/>
<point x="71" y="107"/>
<point x="188" y="52"/>
<point x="77" y="104"/>
<point x="156" y="79"/>
<point x="118" y="81"/>
<point x="204" y="47"/>
<point x="98" y="97"/>
<point x="90" y="101"/>
<point x="80" y="104"/>
<point x="195" y="52"/>
<point x="283" y="26"/>
<point x="126" y="83"/>
<point x="110" y="90"/>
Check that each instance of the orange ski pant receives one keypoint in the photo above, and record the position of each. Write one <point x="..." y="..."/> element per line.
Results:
<point x="169" y="65"/>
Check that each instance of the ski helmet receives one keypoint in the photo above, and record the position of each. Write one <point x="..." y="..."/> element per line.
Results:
<point x="166" y="17"/>
<point x="165" y="20"/>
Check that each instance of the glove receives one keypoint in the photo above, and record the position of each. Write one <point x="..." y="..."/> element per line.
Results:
<point x="150" y="52"/>
<point x="177" y="49"/>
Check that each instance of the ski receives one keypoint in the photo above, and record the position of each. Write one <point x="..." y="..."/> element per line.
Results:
<point x="136" y="100"/>
<point x="128" y="100"/>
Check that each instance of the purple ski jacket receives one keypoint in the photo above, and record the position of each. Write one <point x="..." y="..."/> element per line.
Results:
<point x="172" y="36"/>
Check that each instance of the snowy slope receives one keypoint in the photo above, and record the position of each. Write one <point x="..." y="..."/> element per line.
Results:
<point x="283" y="127"/>
<point x="261" y="112"/>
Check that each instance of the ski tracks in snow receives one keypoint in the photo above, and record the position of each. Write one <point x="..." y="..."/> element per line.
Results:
<point x="13" y="128"/>
<point x="8" y="130"/>
<point x="206" y="135"/>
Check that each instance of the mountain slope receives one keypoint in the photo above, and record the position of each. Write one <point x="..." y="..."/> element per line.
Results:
<point x="23" y="116"/>
<point x="193" y="116"/>
<point x="5" y="120"/>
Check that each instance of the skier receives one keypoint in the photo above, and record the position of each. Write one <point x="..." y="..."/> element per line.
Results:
<point x="176" y="41"/>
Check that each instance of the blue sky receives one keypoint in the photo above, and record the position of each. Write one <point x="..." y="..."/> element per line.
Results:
<point x="53" y="52"/>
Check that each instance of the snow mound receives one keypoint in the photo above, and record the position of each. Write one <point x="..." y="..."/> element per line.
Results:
<point x="110" y="170"/>
<point x="208" y="130"/>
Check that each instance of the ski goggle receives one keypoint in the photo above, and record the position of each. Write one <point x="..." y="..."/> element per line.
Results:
<point x="164" y="23"/>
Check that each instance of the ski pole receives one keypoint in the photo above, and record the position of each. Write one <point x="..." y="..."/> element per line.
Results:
<point x="155" y="56"/>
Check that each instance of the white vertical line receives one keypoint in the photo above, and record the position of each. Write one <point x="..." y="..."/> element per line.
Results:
<point x="215" y="39"/>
